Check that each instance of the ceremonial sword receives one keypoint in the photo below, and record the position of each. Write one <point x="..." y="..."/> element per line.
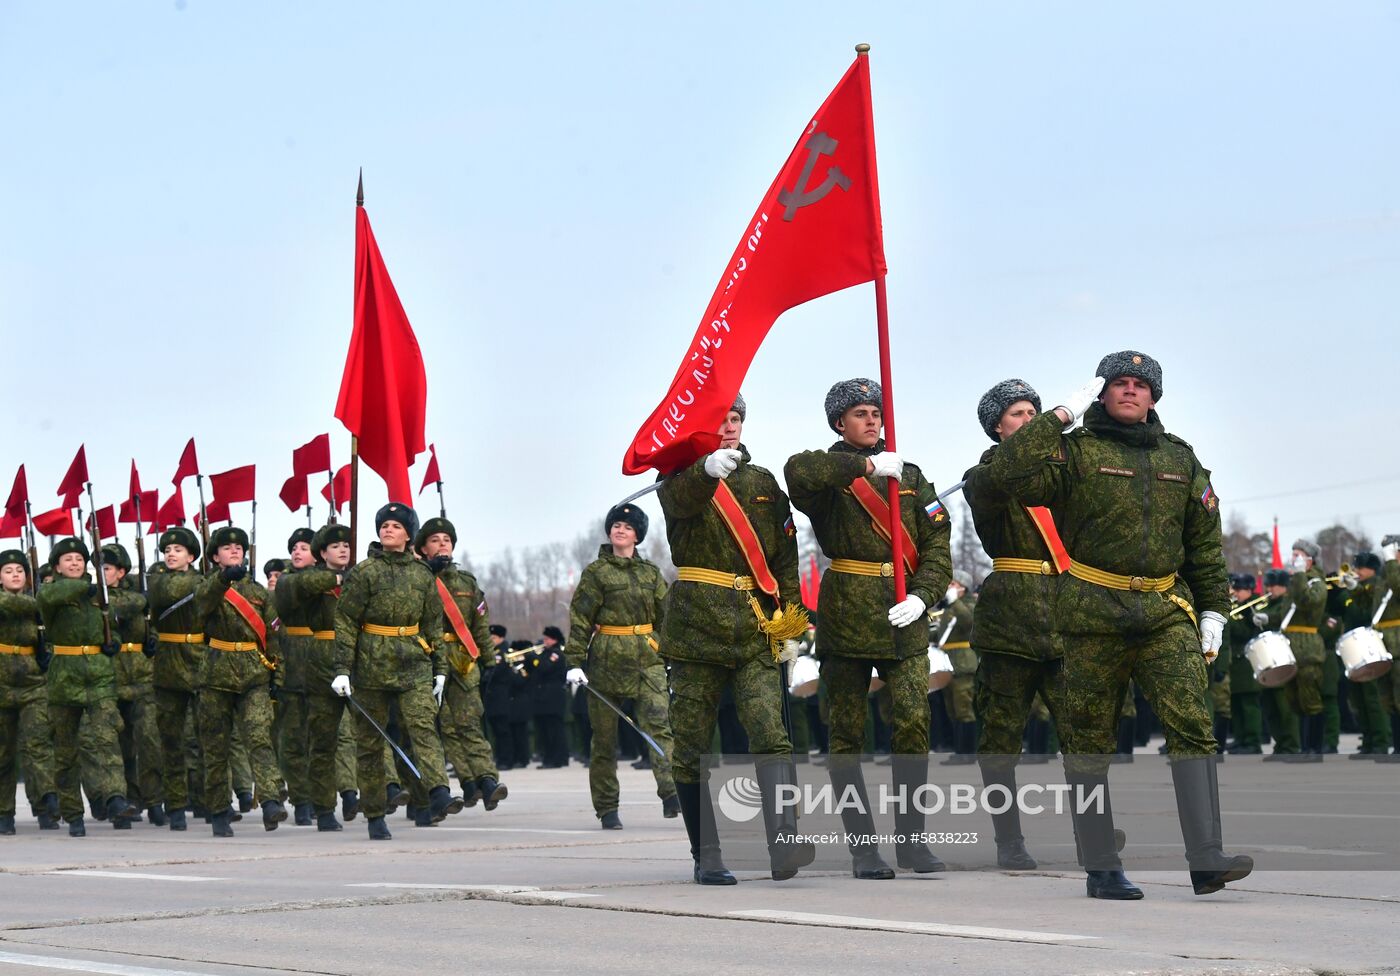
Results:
<point x="623" y="715"/>
<point x="657" y="484"/>
<point x="392" y="744"/>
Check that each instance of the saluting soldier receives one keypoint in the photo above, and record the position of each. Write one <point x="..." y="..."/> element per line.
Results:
<point x="955" y="634"/>
<point x="388" y="637"/>
<point x="843" y="491"/>
<point x="614" y="616"/>
<point x="462" y="715"/>
<point x="81" y="685"/>
<point x="727" y="618"/>
<point x="1307" y="589"/>
<point x="1246" y="718"/>
<point x="24" y="713"/>
<point x="1141" y="524"/>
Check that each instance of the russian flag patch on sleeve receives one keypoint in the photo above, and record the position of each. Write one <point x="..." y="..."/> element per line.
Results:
<point x="936" y="511"/>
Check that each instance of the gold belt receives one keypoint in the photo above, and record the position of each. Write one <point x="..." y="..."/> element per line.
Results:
<point x="73" y="651"/>
<point x="1006" y="564"/>
<point x="223" y="645"/>
<point x="695" y="574"/>
<point x="624" y="630"/>
<point x="1137" y="584"/>
<point x="131" y="648"/>
<point x="1299" y="629"/>
<point x="20" y="649"/>
<point x="1387" y="624"/>
<point x="308" y="632"/>
<point x="859" y="567"/>
<point x="180" y="638"/>
<point x="380" y="630"/>
<point x="957" y="645"/>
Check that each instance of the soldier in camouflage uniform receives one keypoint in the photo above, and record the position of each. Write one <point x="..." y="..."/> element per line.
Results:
<point x="1365" y="589"/>
<point x="1246" y="719"/>
<point x="954" y="636"/>
<point x="713" y="639"/>
<point x="616" y="608"/>
<point x="1388" y="684"/>
<point x="1307" y="589"/>
<point x="81" y="685"/>
<point x="177" y="642"/>
<point x="462" y="716"/>
<point x="24" y="712"/>
<point x="388" y="636"/>
<point x="1280" y="702"/>
<point x="292" y="706"/>
<point x="1141" y="523"/>
<point x="862" y="625"/>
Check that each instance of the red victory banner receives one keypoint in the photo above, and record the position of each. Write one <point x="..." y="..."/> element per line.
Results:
<point x="149" y="506"/>
<point x="171" y="514"/>
<point x="235" y="485"/>
<point x="293" y="493"/>
<point x="11" y="526"/>
<point x="384" y="389"/>
<point x="19" y="496"/>
<point x="816" y="231"/>
<point x="342" y="488"/>
<point x="106" y="523"/>
<point x="71" y="490"/>
<point x="59" y="521"/>
<point x="189" y="464"/>
<point x="313" y="456"/>
<point x="216" y="510"/>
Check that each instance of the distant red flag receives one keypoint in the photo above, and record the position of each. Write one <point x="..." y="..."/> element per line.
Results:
<point x="171" y="514"/>
<point x="816" y="231"/>
<point x="384" y="390"/>
<point x="133" y="485"/>
<point x="1278" y="554"/>
<point x="293" y="493"/>
<point x="811" y="586"/>
<point x="19" y="494"/>
<point x="235" y="485"/>
<point x="71" y="490"/>
<point x="56" y="522"/>
<point x="11" y="526"/>
<point x="342" y="488"/>
<point x="313" y="456"/>
<point x="217" y="510"/>
<point x="150" y="505"/>
<point x="432" y="475"/>
<point x="106" y="523"/>
<point x="189" y="464"/>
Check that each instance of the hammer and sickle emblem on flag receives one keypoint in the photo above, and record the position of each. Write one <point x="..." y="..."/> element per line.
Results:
<point x="820" y="144"/>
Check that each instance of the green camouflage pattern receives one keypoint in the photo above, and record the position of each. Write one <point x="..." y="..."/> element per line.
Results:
<point x="462" y="722"/>
<point x="855" y="621"/>
<point x="290" y="735"/>
<point x="652" y="709"/>
<point x="1239" y="631"/>
<point x="417" y="712"/>
<point x="1281" y="705"/>
<point x="20" y="677"/>
<point x="1308" y="593"/>
<point x="1304" y="692"/>
<point x="233" y="671"/>
<point x="307" y="598"/>
<point x="72" y="618"/>
<point x="179" y="762"/>
<point x="391" y="589"/>
<point x="220" y="709"/>
<point x="135" y="672"/>
<point x="697" y="687"/>
<point x="25" y="735"/>
<point x="471" y="603"/>
<point x="616" y="592"/>
<point x="178" y="667"/>
<point x="66" y="722"/>
<point x="1007" y="686"/>
<point x="848" y="686"/>
<point x="327" y="723"/>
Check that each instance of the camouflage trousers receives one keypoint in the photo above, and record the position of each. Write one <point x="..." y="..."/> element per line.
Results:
<point x="1246" y="719"/>
<point x="140" y="746"/>
<point x="250" y="712"/>
<point x="1007" y="688"/>
<point x="652" y="712"/>
<point x="293" y="752"/>
<point x="416" y="711"/>
<point x="1166" y="664"/>
<point x="173" y="709"/>
<point x="697" y="688"/>
<point x="464" y="742"/>
<point x="26" y="739"/>
<point x="108" y="779"/>
<point x="960" y="696"/>
<point x="1306" y="696"/>
<point x="327" y="726"/>
<point x="1220" y="696"/>
<point x="1281" y="711"/>
<point x="1388" y="684"/>
<point x="847" y="682"/>
<point x="1366" y="705"/>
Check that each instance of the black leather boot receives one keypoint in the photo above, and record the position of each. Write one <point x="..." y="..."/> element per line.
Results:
<point x="48" y="812"/>
<point x="1221" y="728"/>
<point x="699" y="816"/>
<point x="471" y="793"/>
<point x="303" y="814"/>
<point x="245" y="802"/>
<point x="378" y="829"/>
<point x="849" y="784"/>
<point x="177" y="819"/>
<point x="394" y="797"/>
<point x="786" y="854"/>
<point x="273" y="814"/>
<point x="441" y="803"/>
<point x="909" y="773"/>
<point x="1037" y="742"/>
<point x="222" y="823"/>
<point x="349" y="804"/>
<point x="76" y="828"/>
<point x="1197" y="786"/>
<point x="156" y="815"/>
<point x="119" y="808"/>
<point x="1011" y="843"/>
<point x="670" y="807"/>
<point x="7" y="824"/>
<point x="492" y="792"/>
<point x="1094" y="833"/>
<point x="327" y="822"/>
<point x="423" y="817"/>
<point x="610" y="821"/>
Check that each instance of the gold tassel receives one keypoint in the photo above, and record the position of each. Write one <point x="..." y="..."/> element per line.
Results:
<point x="784" y="626"/>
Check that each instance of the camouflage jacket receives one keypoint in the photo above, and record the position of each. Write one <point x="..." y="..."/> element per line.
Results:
<point x="19" y="673"/>
<point x="716" y="624"/>
<point x="1131" y="499"/>
<point x="471" y="603"/>
<point x="1013" y="609"/>
<point x="1390" y="573"/>
<point x="1362" y="602"/>
<point x="1308" y="592"/>
<point x="72" y="618"/>
<point x="306" y="598"/>
<point x="963" y="614"/>
<point x="1239" y="631"/>
<point x="617" y="592"/>
<point x="855" y="609"/>
<point x="241" y="670"/>
<point x="134" y="670"/>
<point x="178" y="667"/>
<point x="390" y="589"/>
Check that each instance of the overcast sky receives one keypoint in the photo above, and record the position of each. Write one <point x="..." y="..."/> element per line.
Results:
<point x="556" y="189"/>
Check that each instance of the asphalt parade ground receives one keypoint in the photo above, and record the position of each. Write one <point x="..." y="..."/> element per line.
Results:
<point x="536" y="887"/>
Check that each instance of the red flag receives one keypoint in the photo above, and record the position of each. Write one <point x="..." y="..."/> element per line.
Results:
<point x="235" y="485"/>
<point x="217" y="510"/>
<point x="313" y="456"/>
<point x="811" y="586"/>
<point x="171" y="514"/>
<point x="189" y="464"/>
<point x="342" y="488"/>
<point x="19" y="494"/>
<point x="106" y="523"/>
<point x="1278" y="555"/>
<point x="150" y="505"/>
<point x="56" y="522"/>
<point x="133" y="485"/>
<point x="293" y="493"/>
<point x="71" y="490"/>
<point x="816" y="231"/>
<point x="432" y="475"/>
<point x="11" y="526"/>
<point x="384" y="391"/>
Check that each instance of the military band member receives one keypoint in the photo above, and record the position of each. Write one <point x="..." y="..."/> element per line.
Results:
<point x="1246" y="719"/>
<point x="1141" y="524"/>
<point x="177" y="642"/>
<point x="954" y="633"/>
<point x="25" y="737"/>
<point x="724" y="629"/>
<point x="614" y="615"/>
<point x="1389" y="625"/>
<point x="1280" y="702"/>
<point x="546" y="671"/>
<point x="1307" y="590"/>
<point x="496" y="684"/>
<point x="1365" y="590"/>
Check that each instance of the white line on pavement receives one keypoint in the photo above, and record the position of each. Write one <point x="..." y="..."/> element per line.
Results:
<point x="492" y="889"/>
<point x="518" y="830"/>
<point x="134" y="876"/>
<point x="83" y="966"/>
<point x="922" y="928"/>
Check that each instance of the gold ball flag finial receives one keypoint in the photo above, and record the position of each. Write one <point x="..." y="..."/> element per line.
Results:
<point x="360" y="190"/>
<point x="862" y="48"/>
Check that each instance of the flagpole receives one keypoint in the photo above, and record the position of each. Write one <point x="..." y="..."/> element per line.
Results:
<point x="442" y="505"/>
<point x="308" y="515"/>
<point x="354" y="495"/>
<point x="33" y="549"/>
<point x="140" y="543"/>
<point x="330" y="478"/>
<point x="203" y="525"/>
<point x="253" y="546"/>
<point x="882" y="323"/>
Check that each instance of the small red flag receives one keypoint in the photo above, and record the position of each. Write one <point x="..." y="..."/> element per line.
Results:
<point x="11" y="526"/>
<point x="293" y="493"/>
<point x="59" y="521"/>
<point x="432" y="475"/>
<point x="106" y="523"/>
<point x="189" y="464"/>
<point x="150" y="505"/>
<point x="1278" y="553"/>
<point x="342" y="488"/>
<point x="235" y="485"/>
<point x="384" y="390"/>
<point x="71" y="490"/>
<point x="313" y="456"/>
<point x="19" y="494"/>
<point x="217" y="510"/>
<point x="816" y="231"/>
<point x="169" y="515"/>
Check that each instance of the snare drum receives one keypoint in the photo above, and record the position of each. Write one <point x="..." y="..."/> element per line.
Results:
<point x="940" y="668"/>
<point x="805" y="676"/>
<point x="1272" y="658"/>
<point x="1363" y="654"/>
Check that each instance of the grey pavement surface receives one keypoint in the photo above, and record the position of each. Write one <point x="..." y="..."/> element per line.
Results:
<point x="536" y="887"/>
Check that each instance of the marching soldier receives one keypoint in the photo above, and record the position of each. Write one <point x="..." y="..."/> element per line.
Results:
<point x="1246" y="719"/>
<point x="616" y="609"/>
<point x="295" y="645"/>
<point x="955" y="638"/>
<point x="731" y="535"/>
<point x="24" y="715"/>
<point x="842" y="490"/>
<point x="388" y="635"/>
<point x="177" y="643"/>
<point x="81" y="685"/>
<point x="1307" y="589"/>
<point x="1365" y="588"/>
<point x="462" y="715"/>
<point x="1280" y="703"/>
<point x="1141" y="524"/>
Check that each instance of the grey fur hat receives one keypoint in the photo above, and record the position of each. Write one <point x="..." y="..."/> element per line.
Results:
<point x="852" y="393"/>
<point x="1132" y="363"/>
<point x="1310" y="549"/>
<point x="995" y="402"/>
<point x="740" y="407"/>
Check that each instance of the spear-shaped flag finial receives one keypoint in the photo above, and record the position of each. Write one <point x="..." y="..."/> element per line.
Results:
<point x="360" y="190"/>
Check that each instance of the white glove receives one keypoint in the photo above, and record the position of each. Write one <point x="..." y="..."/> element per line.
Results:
<point x="887" y="464"/>
<point x="1389" y="551"/>
<point x="1299" y="563"/>
<point x="1212" y="633"/>
<point x="439" y="683"/>
<point x="576" y="677"/>
<point x="950" y="595"/>
<point x="1350" y="580"/>
<point x="1083" y="398"/>
<point x="1261" y="620"/>
<point x="904" y="614"/>
<point x="340" y="684"/>
<point x="721" y="463"/>
<point x="791" y="649"/>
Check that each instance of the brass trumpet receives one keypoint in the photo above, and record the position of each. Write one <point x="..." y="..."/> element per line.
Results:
<point x="518" y="657"/>
<point x="1249" y="605"/>
<point x="1343" y="570"/>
